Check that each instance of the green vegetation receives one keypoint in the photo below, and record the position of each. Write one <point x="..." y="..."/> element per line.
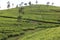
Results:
<point x="39" y="22"/>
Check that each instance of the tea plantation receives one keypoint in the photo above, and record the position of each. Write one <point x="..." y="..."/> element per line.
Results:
<point x="39" y="22"/>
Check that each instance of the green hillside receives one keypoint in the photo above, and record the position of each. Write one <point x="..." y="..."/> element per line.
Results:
<point x="47" y="34"/>
<point x="39" y="22"/>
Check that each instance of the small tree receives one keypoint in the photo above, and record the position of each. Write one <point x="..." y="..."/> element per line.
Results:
<point x="8" y="4"/>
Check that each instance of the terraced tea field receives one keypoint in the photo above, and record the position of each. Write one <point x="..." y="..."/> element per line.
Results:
<point x="39" y="22"/>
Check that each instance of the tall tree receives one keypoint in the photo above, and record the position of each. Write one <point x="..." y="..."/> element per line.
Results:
<point x="0" y="6"/>
<point x="29" y="3"/>
<point x="12" y="4"/>
<point x="17" y="6"/>
<point x="48" y="3"/>
<point x="21" y="11"/>
<point x="52" y="3"/>
<point x="36" y="1"/>
<point x="25" y="3"/>
<point x="21" y="4"/>
<point x="8" y="4"/>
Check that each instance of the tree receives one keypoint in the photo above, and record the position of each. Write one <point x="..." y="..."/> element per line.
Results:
<point x="0" y="6"/>
<point x="21" y="4"/>
<point x="17" y="6"/>
<point x="20" y="12"/>
<point x="36" y="1"/>
<point x="48" y="3"/>
<point x="12" y="4"/>
<point x="25" y="3"/>
<point x="8" y="4"/>
<point x="29" y="3"/>
<point x="52" y="3"/>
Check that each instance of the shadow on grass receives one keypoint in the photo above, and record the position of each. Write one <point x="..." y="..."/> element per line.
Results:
<point x="48" y="26"/>
<point x="42" y="21"/>
<point x="8" y="17"/>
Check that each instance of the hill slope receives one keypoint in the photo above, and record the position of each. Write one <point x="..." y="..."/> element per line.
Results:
<point x="48" y="34"/>
<point x="37" y="20"/>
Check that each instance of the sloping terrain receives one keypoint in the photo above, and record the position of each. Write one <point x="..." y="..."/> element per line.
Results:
<point x="39" y="22"/>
